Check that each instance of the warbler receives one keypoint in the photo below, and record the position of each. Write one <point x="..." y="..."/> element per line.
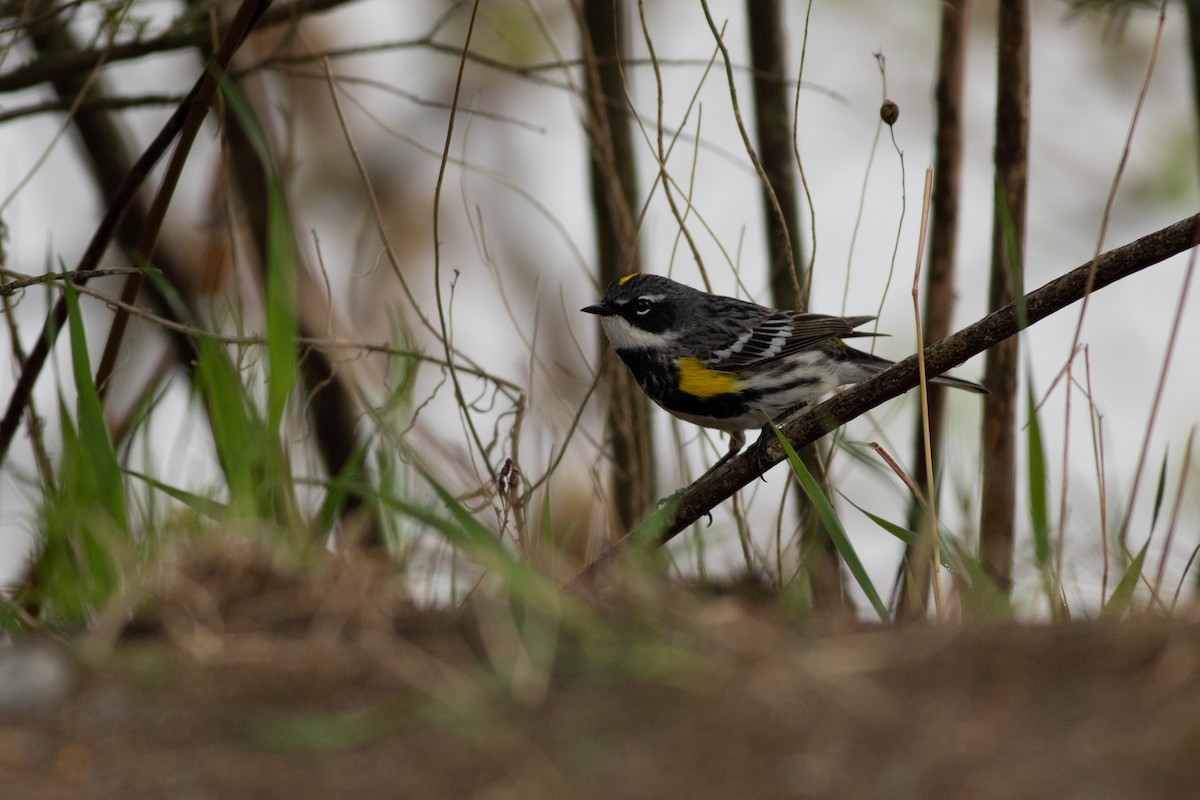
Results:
<point x="729" y="364"/>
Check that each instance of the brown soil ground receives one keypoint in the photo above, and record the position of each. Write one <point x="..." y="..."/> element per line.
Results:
<point x="706" y="698"/>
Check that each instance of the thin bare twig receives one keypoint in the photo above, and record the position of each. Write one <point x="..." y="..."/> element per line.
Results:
<point x="1139" y="470"/>
<point x="12" y="287"/>
<point x="768" y="189"/>
<point x="1104" y="220"/>
<point x="510" y="389"/>
<point x="662" y="152"/>
<point x="812" y="211"/>
<point x="443" y="322"/>
<point x="929" y="520"/>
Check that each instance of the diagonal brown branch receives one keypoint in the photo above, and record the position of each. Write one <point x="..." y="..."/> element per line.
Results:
<point x="701" y="497"/>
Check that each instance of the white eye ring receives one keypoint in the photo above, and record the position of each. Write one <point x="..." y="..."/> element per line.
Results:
<point x="642" y="306"/>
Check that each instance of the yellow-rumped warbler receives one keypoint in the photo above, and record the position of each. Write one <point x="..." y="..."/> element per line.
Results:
<point x="728" y="364"/>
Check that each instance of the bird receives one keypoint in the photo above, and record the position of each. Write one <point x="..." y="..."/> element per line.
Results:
<point x="729" y="364"/>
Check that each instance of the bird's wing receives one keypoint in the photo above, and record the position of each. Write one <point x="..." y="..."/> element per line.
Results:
<point x="778" y="334"/>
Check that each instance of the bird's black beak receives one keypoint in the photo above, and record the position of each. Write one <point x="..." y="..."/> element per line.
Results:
<point x="599" y="310"/>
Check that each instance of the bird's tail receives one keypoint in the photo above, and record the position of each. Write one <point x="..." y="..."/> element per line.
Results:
<point x="871" y="365"/>
<point x="959" y="383"/>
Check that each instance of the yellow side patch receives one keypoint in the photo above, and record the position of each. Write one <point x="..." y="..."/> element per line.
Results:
<point x="700" y="381"/>
<point x="627" y="278"/>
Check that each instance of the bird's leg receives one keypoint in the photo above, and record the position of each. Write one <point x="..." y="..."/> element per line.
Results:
<point x="760" y="449"/>
<point x="737" y="440"/>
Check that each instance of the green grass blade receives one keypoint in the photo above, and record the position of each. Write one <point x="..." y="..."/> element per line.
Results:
<point x="336" y="493"/>
<point x="1158" y="493"/>
<point x="280" y="311"/>
<point x="833" y="525"/>
<point x="1012" y="243"/>
<point x="461" y="529"/>
<point x="280" y="307"/>
<point x="251" y="455"/>
<point x="235" y="430"/>
<point x="317" y="733"/>
<point x="1038" y="483"/>
<point x="12" y="621"/>
<point x="546" y="525"/>
<point x="99" y="459"/>
<point x="198" y="503"/>
<point x="900" y="532"/>
<point x="471" y="531"/>
<point x="74" y="571"/>
<point x="1118" y="603"/>
<point x="475" y="540"/>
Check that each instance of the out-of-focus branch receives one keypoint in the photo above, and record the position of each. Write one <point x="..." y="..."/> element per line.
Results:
<point x="613" y="170"/>
<point x="1193" y="37"/>
<point x="938" y="300"/>
<point x="186" y="36"/>
<point x="997" y="516"/>
<point x="773" y="128"/>
<point x="187" y="116"/>
<point x="781" y="210"/>
<point x="90" y="103"/>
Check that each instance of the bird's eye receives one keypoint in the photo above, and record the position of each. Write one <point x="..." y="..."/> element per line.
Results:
<point x="642" y="306"/>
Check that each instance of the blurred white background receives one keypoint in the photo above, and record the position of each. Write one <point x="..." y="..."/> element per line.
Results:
<point x="516" y="230"/>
